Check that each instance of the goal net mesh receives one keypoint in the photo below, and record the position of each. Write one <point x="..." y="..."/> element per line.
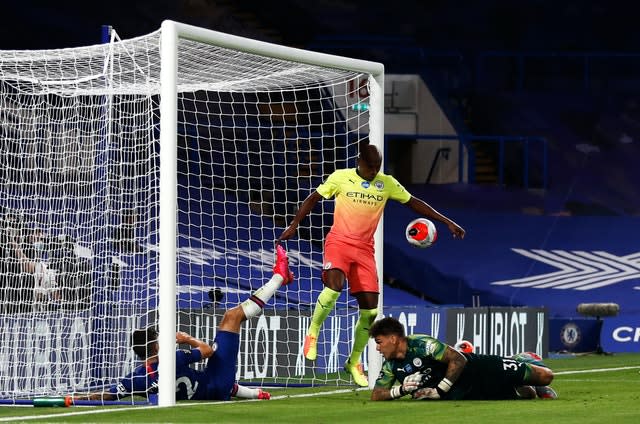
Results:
<point x="79" y="204"/>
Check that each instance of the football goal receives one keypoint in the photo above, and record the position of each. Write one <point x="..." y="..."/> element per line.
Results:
<point x="143" y="183"/>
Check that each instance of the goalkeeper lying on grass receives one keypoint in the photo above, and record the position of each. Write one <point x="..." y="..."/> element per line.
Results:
<point x="217" y="381"/>
<point x="544" y="392"/>
<point x="429" y="369"/>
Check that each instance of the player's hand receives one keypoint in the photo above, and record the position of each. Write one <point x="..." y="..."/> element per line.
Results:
<point x="182" y="337"/>
<point x="456" y="230"/>
<point x="413" y="382"/>
<point x="426" y="393"/>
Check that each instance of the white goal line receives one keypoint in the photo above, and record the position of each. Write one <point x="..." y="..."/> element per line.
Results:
<point x="596" y="370"/>
<point x="302" y="395"/>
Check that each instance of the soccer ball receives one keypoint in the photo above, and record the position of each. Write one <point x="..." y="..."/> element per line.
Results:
<point x="464" y="346"/>
<point x="421" y="233"/>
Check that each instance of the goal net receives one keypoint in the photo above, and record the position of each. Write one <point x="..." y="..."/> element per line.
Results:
<point x="143" y="183"/>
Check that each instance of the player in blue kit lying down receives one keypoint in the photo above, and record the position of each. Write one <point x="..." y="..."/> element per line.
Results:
<point x="217" y="380"/>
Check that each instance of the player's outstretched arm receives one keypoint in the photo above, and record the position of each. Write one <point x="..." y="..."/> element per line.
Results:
<point x="424" y="209"/>
<point x="380" y="393"/>
<point x="304" y="210"/>
<point x="456" y="362"/>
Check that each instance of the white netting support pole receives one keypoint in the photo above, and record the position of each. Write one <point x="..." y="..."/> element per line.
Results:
<point x="376" y="137"/>
<point x="227" y="134"/>
<point x="168" y="195"/>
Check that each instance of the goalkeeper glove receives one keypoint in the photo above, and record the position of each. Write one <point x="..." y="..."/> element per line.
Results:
<point x="410" y="384"/>
<point x="433" y="392"/>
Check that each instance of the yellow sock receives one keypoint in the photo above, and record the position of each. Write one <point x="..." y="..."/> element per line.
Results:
<point x="361" y="333"/>
<point x="324" y="305"/>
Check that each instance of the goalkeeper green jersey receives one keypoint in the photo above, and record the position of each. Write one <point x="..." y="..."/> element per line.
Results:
<point x="424" y="354"/>
<point x="484" y="376"/>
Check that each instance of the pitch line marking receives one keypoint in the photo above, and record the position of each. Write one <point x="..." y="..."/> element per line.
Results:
<point x="332" y="392"/>
<point x="138" y="408"/>
<point x="596" y="370"/>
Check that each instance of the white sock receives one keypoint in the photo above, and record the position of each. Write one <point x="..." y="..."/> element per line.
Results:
<point x="245" y="392"/>
<point x="254" y="305"/>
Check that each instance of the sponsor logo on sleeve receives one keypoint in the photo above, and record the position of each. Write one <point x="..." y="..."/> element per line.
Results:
<point x="429" y="347"/>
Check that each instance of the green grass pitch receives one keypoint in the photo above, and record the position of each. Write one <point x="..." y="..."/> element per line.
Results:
<point x="591" y="388"/>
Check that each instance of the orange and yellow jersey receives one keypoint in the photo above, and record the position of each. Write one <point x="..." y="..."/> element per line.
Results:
<point x="359" y="203"/>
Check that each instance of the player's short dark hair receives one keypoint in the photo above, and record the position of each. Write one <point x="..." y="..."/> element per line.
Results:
<point x="370" y="155"/>
<point x="387" y="326"/>
<point x="142" y="342"/>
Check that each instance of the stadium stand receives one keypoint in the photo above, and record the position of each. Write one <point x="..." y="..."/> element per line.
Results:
<point x="494" y="70"/>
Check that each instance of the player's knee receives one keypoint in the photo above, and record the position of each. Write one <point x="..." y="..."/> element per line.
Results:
<point x="548" y="376"/>
<point x="334" y="279"/>
<point x="232" y="319"/>
<point x="368" y="315"/>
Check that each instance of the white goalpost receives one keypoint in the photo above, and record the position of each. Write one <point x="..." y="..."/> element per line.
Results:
<point x="143" y="183"/>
